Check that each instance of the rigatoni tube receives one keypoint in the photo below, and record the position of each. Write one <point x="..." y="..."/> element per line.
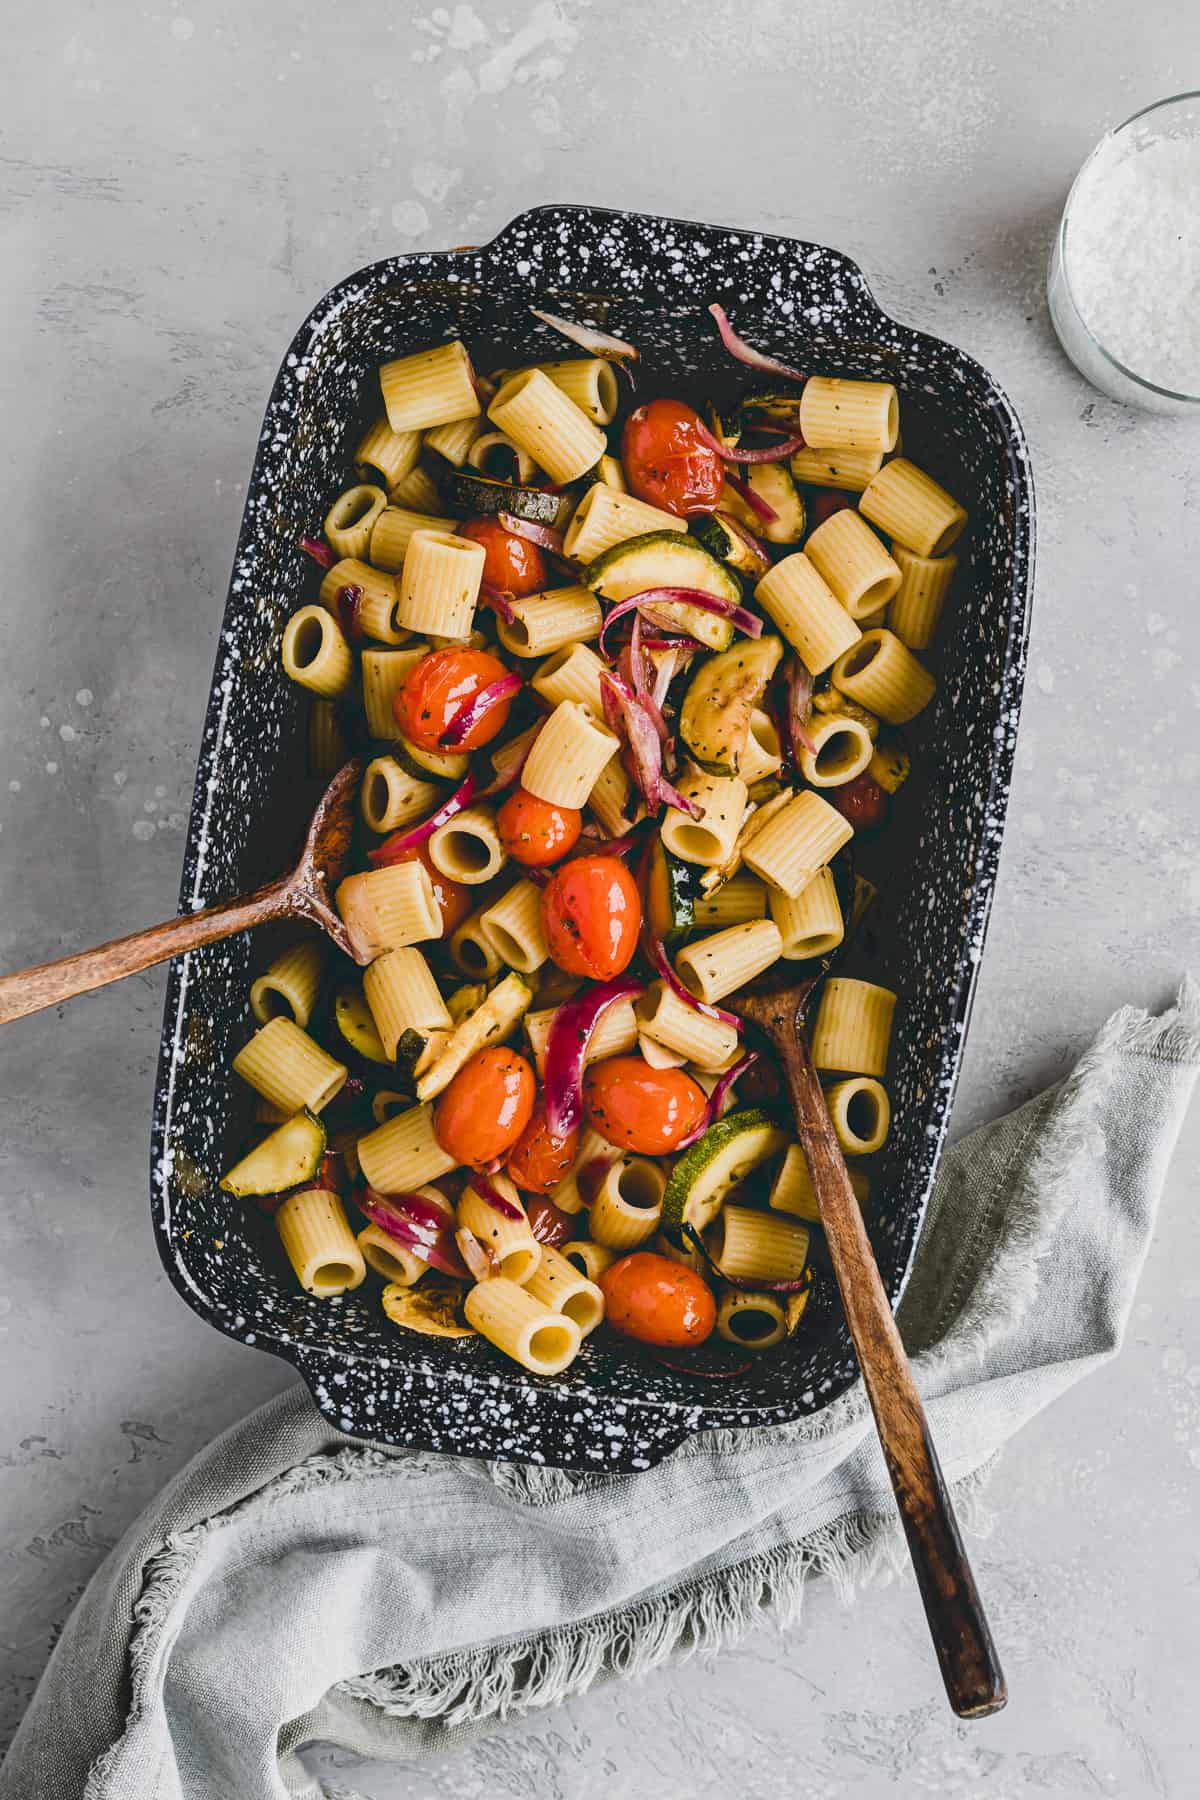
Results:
<point x="849" y="469"/>
<point x="432" y="387"/>
<point x="797" y="840"/>
<point x="315" y="653"/>
<point x="351" y="520"/>
<point x="439" y="583"/>
<point x="539" y="417"/>
<point x="550" y="621"/>
<point x="467" y="848"/>
<point x="708" y="839"/>
<point x="572" y="673"/>
<point x="811" y="924"/>
<point x="288" y="1068"/>
<point x="562" y="1287"/>
<point x="287" y="989"/>
<point x="540" y="1340"/>
<point x="403" y="996"/>
<point x="511" y="1241"/>
<point x="568" y="755"/>
<point x="708" y="1043"/>
<point x="758" y="1246"/>
<point x="883" y="675"/>
<point x="391" y="454"/>
<point x="395" y="529"/>
<point x="319" y="1243"/>
<point x="391" y="797"/>
<point x="383" y="675"/>
<point x="853" y="562"/>
<point x="913" y="508"/>
<point x="352" y="589"/>
<point x="841" y="748"/>
<point x="853" y="1027"/>
<point x="513" y="926"/>
<point x="385" y="909"/>
<point x="861" y="1114"/>
<point x="917" y="607"/>
<point x="590" y="382"/>
<point x="755" y="1321"/>
<point x="792" y="1190"/>
<point x="607" y="516"/>
<point x="627" y="1203"/>
<point x="837" y="413"/>
<point x="401" y="1155"/>
<point x="807" y="612"/>
<point x="714" y="966"/>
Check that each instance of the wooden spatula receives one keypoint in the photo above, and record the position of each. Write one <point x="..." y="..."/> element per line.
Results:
<point x="305" y="893"/>
<point x="970" y="1667"/>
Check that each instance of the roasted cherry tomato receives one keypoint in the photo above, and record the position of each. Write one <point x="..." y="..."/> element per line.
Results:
<point x="538" y="1162"/>
<point x="658" y="1301"/>
<point x="549" y="1223"/>
<point x="591" y="914"/>
<point x="437" y="690"/>
<point x="510" y="563"/>
<point x="667" y="461"/>
<point x="534" y="832"/>
<point x="862" y="801"/>
<point x="454" y="900"/>
<point x="486" y="1107"/>
<point x="640" y="1108"/>
<point x="822" y="503"/>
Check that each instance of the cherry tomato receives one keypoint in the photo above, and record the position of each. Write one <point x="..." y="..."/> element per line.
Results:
<point x="658" y="1301"/>
<point x="534" y="832"/>
<point x="822" y="503"/>
<point x="437" y="689"/>
<point x="486" y="1107"/>
<point x="640" y="1108"/>
<point x="591" y="914"/>
<point x="862" y="801"/>
<point x="453" y="898"/>
<point x="538" y="1162"/>
<point x="510" y="563"/>
<point x="667" y="462"/>
<point x="549" y="1223"/>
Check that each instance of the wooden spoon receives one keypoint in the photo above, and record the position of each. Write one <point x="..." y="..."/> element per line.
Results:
<point x="305" y="893"/>
<point x="970" y="1667"/>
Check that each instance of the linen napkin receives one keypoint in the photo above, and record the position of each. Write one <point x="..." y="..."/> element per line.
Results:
<point x="293" y="1584"/>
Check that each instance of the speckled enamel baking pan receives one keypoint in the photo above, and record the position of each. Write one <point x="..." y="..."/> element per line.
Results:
<point x="649" y="280"/>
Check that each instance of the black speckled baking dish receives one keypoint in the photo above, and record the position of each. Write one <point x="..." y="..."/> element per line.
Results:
<point x="649" y="280"/>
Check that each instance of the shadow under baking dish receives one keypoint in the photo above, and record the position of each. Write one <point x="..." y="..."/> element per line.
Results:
<point x="649" y="280"/>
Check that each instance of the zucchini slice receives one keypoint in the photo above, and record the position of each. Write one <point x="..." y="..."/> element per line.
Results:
<point x="353" y="1018"/>
<point x="442" y="765"/>
<point x="434" y="1308"/>
<point x="706" y="1174"/>
<point x="669" y="559"/>
<point x="478" y="496"/>
<point x="774" y="483"/>
<point x="714" y="720"/>
<point x="491" y="1023"/>
<point x="783" y="405"/>
<point x="291" y="1154"/>
<point x="721" y="540"/>
<point x="671" y="890"/>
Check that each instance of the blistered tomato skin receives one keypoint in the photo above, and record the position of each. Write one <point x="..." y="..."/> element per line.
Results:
<point x="486" y="1107"/>
<point x="667" y="462"/>
<point x="658" y="1301"/>
<point x="640" y="1108"/>
<point x="437" y="690"/>
<point x="862" y="801"/>
<point x="536" y="833"/>
<point x="453" y="898"/>
<point x="538" y="1161"/>
<point x="822" y="503"/>
<point x="510" y="563"/>
<point x="591" y="914"/>
<point x="548" y="1223"/>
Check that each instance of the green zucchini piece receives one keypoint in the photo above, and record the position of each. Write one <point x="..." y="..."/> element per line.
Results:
<point x="669" y="559"/>
<point x="774" y="483"/>
<point x="705" y="1175"/>
<point x="671" y="890"/>
<point x="726" y="427"/>
<point x="478" y="496"/>
<point x="440" y="765"/>
<point x="353" y="1018"/>
<point x="714" y="720"/>
<point x="783" y="404"/>
<point x="291" y="1154"/>
<point x="721" y="540"/>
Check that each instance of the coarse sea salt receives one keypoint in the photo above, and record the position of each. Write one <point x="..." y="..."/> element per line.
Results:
<point x="1133" y="255"/>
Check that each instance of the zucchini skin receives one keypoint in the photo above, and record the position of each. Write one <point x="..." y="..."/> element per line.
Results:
<point x="478" y="496"/>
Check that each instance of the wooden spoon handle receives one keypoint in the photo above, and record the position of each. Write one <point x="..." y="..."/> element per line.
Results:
<point x="970" y="1666"/>
<point x="30" y="990"/>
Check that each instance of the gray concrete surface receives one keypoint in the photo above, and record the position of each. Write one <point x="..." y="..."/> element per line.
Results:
<point x="178" y="184"/>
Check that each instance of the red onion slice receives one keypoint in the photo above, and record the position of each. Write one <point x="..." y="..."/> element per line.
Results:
<point x="588" y="845"/>
<point x="566" y="1050"/>
<point x="498" y="600"/>
<point x="738" y="616"/>
<point x="545" y="535"/>
<point x="484" y="702"/>
<point x="418" y="1224"/>
<point x="705" y="1363"/>
<point x="319" y="550"/>
<point x="491" y="1196"/>
<point x="746" y="353"/>
<point x="798" y="686"/>
<point x="598" y="343"/>
<point x="349" y="599"/>
<point x="735" y="454"/>
<point x="720" y="1093"/>
<point x="508" y="777"/>
<point x="657" y="954"/>
<point x="391" y="850"/>
<point x="758" y="506"/>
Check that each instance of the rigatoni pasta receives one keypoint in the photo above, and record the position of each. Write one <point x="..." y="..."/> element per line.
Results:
<point x="912" y="508"/>
<point x="351" y="520"/>
<point x="853" y="562"/>
<point x="319" y="1243"/>
<point x="432" y="387"/>
<point x="853" y="1026"/>
<point x="807" y="611"/>
<point x="289" y="985"/>
<point x="800" y="838"/>
<point x="916" y="607"/>
<point x="568" y="755"/>
<point x="539" y="417"/>
<point x="288" y="1068"/>
<point x="385" y="909"/>
<point x="884" y="676"/>
<point x="858" y="415"/>
<point x="439" y="583"/>
<point x="607" y="516"/>
<point x="556" y="620"/>
<point x="315" y="653"/>
<point x="403" y="996"/>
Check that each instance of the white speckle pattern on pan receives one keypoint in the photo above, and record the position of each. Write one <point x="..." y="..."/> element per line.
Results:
<point x="649" y="280"/>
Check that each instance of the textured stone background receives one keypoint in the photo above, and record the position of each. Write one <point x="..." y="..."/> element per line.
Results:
<point x="177" y="187"/>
